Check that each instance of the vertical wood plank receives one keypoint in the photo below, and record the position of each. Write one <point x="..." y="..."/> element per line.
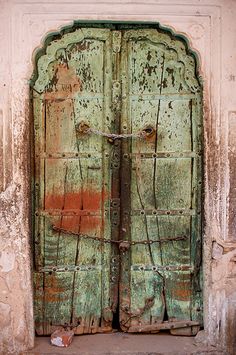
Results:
<point x="164" y="188"/>
<point x="74" y="182"/>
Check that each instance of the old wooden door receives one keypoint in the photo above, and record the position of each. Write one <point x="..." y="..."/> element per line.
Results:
<point x="117" y="219"/>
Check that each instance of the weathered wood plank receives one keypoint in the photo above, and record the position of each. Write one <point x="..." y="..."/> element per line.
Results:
<point x="75" y="76"/>
<point x="87" y="305"/>
<point x="77" y="173"/>
<point x="162" y="326"/>
<point x="52" y="301"/>
<point x="160" y="93"/>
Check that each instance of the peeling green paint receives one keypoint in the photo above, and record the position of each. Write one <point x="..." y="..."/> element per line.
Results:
<point x="117" y="80"/>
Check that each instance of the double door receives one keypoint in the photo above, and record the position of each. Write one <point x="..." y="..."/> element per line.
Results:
<point x="117" y="183"/>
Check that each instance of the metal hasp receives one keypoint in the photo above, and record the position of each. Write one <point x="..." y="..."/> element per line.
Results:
<point x="117" y="182"/>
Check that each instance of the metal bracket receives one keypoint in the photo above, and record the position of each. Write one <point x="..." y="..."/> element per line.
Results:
<point x="116" y="41"/>
<point x="116" y="93"/>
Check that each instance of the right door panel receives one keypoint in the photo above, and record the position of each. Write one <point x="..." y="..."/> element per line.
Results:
<point x="160" y="274"/>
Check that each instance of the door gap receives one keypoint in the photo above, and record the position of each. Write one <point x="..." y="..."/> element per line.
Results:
<point x="166" y="317"/>
<point x="116" y="315"/>
<point x="116" y="320"/>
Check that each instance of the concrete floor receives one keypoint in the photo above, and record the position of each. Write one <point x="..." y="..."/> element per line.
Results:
<point x="122" y="343"/>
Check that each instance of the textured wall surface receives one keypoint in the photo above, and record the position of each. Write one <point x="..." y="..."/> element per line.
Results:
<point x="210" y="27"/>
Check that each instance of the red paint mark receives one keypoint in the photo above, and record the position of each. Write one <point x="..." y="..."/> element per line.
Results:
<point x="59" y="125"/>
<point x="79" y="224"/>
<point x="54" y="289"/>
<point x="182" y="291"/>
<point x="64" y="83"/>
<point x="86" y="201"/>
<point x="68" y="223"/>
<point x="82" y="200"/>
<point x="90" y="223"/>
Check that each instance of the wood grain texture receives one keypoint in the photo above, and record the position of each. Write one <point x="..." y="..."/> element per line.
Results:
<point x="73" y="182"/>
<point x="162" y="91"/>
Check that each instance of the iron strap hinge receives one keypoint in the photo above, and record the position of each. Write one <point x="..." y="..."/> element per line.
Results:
<point x="123" y="244"/>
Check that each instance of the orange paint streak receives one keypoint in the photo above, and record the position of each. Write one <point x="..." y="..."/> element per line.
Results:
<point x="54" y="289"/>
<point x="69" y="223"/>
<point x="89" y="223"/>
<point x="65" y="82"/>
<point x="86" y="200"/>
<point x="82" y="224"/>
<point x="59" y="115"/>
<point x="182" y="291"/>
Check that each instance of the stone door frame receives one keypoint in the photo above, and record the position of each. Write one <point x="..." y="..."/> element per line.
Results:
<point x="29" y="24"/>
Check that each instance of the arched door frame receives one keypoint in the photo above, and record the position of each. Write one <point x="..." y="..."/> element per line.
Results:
<point x="36" y="81"/>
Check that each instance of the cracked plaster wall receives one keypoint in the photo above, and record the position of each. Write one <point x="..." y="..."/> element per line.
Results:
<point x="211" y="28"/>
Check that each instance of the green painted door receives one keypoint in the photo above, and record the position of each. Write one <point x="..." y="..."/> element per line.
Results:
<point x="117" y="220"/>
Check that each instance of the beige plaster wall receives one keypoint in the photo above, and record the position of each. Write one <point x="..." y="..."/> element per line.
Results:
<point x="210" y="26"/>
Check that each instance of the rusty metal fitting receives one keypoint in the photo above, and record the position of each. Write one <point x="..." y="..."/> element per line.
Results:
<point x="124" y="245"/>
<point x="148" y="132"/>
<point x="82" y="128"/>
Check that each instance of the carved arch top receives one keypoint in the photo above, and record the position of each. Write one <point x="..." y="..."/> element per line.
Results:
<point x="179" y="54"/>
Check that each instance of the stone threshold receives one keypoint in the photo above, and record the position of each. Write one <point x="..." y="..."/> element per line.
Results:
<point x="125" y="344"/>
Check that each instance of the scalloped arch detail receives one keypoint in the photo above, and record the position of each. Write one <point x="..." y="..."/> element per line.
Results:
<point x="176" y="48"/>
<point x="174" y="43"/>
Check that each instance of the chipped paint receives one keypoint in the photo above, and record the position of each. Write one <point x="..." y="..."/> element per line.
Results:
<point x="85" y="199"/>
<point x="72" y="194"/>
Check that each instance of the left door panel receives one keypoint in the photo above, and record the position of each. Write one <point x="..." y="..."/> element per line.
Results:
<point x="72" y="183"/>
